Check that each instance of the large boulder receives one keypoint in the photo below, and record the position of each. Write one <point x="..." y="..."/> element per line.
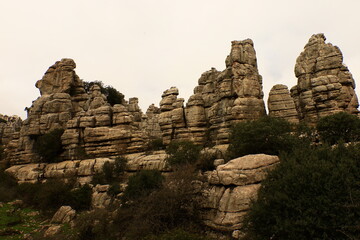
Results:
<point x="231" y="188"/>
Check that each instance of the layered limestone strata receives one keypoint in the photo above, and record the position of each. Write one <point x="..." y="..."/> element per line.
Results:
<point x="325" y="85"/>
<point x="9" y="127"/>
<point x="219" y="100"/>
<point x="231" y="188"/>
<point x="84" y="170"/>
<point x="281" y="104"/>
<point x="92" y="127"/>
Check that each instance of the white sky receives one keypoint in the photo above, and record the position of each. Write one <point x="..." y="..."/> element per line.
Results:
<point x="143" y="47"/>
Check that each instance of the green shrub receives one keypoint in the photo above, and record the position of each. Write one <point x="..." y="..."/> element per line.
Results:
<point x="182" y="152"/>
<point x="142" y="183"/>
<point x="113" y="96"/>
<point x="111" y="171"/>
<point x="7" y="187"/>
<point x="266" y="135"/>
<point x="166" y="208"/>
<point x="177" y="234"/>
<point x="206" y="161"/>
<point x="155" y="145"/>
<point x="94" y="225"/>
<point x="338" y="127"/>
<point x="3" y="120"/>
<point x="49" y="147"/>
<point x="312" y="194"/>
<point x="51" y="195"/>
<point x="80" y="198"/>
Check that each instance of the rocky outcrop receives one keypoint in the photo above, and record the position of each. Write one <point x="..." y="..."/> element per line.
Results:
<point x="84" y="170"/>
<point x="325" y="85"/>
<point x="65" y="214"/>
<point x="220" y="99"/>
<point x="92" y="127"/>
<point x="281" y="104"/>
<point x="9" y="125"/>
<point x="231" y="188"/>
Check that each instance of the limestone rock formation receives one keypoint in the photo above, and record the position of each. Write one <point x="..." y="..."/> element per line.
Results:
<point x="325" y="85"/>
<point x="281" y="104"/>
<point x="232" y="186"/>
<point x="92" y="127"/>
<point x="60" y="78"/>
<point x="9" y="125"/>
<point x="220" y="99"/>
<point x="65" y="214"/>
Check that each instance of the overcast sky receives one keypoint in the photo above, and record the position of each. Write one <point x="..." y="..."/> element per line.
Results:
<point x="143" y="47"/>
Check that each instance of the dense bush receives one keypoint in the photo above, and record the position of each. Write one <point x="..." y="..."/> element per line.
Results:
<point x="155" y="144"/>
<point x="2" y="120"/>
<point x="177" y="234"/>
<point x="94" y="225"/>
<point x="113" y="96"/>
<point x="51" y="195"/>
<point x="7" y="187"/>
<point x="338" y="127"/>
<point x="266" y="135"/>
<point x="48" y="146"/>
<point x="111" y="171"/>
<point x="142" y="183"/>
<point x="168" y="207"/>
<point x="206" y="159"/>
<point x="158" y="209"/>
<point x="312" y="194"/>
<point x="182" y="152"/>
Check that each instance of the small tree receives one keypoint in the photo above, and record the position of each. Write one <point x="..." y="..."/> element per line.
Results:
<point x="338" y="127"/>
<point x="142" y="183"/>
<point x="182" y="152"/>
<point x="266" y="135"/>
<point x="113" y="96"/>
<point x="49" y="146"/>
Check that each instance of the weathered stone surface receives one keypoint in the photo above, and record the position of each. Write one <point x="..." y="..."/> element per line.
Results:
<point x="232" y="187"/>
<point x="281" y="104"/>
<point x="52" y="230"/>
<point x="142" y="161"/>
<point x="100" y="198"/>
<point x="65" y="214"/>
<point x="243" y="170"/>
<point x="220" y="99"/>
<point x="9" y="125"/>
<point x="83" y="170"/>
<point x="59" y="78"/>
<point x="325" y="85"/>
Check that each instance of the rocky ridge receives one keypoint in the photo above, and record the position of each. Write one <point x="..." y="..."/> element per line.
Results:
<point x="96" y="132"/>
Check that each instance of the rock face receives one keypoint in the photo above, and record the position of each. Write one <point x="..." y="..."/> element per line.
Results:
<point x="9" y="125"/>
<point x="325" y="85"/>
<point x="281" y="104"/>
<point x="220" y="99"/>
<point x="92" y="127"/>
<point x="65" y="214"/>
<point x="83" y="170"/>
<point x="231" y="188"/>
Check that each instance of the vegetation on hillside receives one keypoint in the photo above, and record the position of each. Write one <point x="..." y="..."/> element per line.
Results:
<point x="313" y="193"/>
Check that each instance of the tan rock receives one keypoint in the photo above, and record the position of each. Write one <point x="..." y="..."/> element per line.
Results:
<point x="325" y="85"/>
<point x="65" y="214"/>
<point x="244" y="170"/>
<point x="281" y="104"/>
